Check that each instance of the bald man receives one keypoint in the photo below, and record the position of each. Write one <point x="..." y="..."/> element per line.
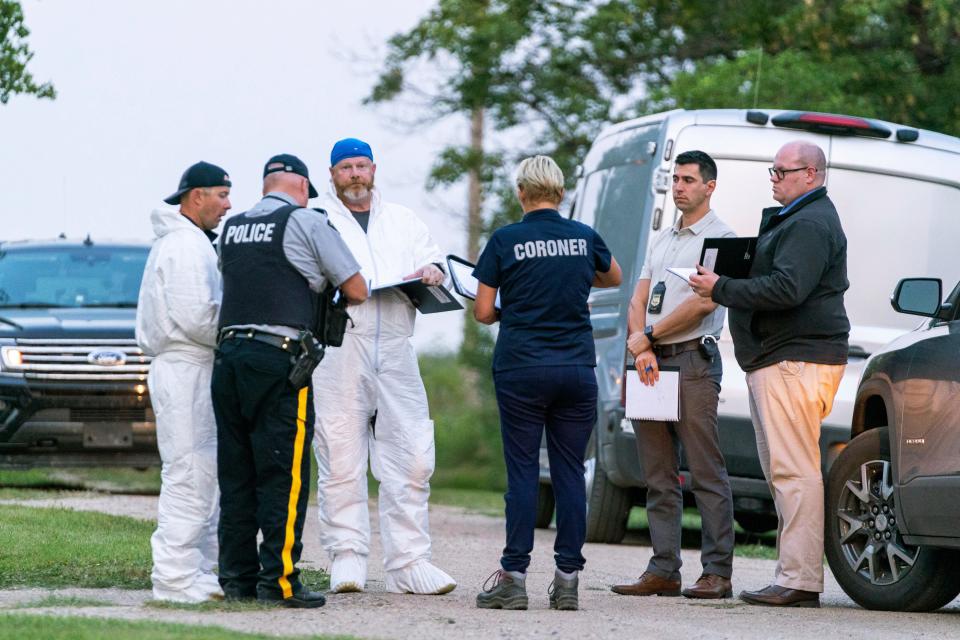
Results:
<point x="790" y="332"/>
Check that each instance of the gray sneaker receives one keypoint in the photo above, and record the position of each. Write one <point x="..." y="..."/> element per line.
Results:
<point x="505" y="592"/>
<point x="563" y="594"/>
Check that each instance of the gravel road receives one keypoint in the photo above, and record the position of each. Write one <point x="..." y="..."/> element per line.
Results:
<point x="467" y="546"/>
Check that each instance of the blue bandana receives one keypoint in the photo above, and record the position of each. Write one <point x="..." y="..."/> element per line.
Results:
<point x="350" y="148"/>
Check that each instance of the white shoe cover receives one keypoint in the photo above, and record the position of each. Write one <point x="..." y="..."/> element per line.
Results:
<point x="203" y="590"/>
<point x="348" y="573"/>
<point x="421" y="578"/>
<point x="209" y="581"/>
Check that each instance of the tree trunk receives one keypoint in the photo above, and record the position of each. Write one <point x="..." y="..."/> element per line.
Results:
<point x="475" y="186"/>
<point x="470" y="346"/>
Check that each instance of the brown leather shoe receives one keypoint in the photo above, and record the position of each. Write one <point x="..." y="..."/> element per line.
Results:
<point x="777" y="596"/>
<point x="649" y="584"/>
<point x="710" y="586"/>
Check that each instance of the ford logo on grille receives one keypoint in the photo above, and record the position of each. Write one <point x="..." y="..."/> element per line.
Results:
<point x="107" y="358"/>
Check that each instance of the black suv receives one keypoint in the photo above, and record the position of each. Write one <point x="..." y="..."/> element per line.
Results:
<point x="893" y="494"/>
<point x="73" y="382"/>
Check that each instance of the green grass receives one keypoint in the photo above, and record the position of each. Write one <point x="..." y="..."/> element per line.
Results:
<point x="32" y="494"/>
<point x="488" y="503"/>
<point x="53" y="547"/>
<point x="221" y="606"/>
<point x="748" y="545"/>
<point x="638" y="519"/>
<point x="59" y="602"/>
<point x="467" y="425"/>
<point x="26" y="477"/>
<point x="107" y="479"/>
<point x="114" y="479"/>
<point x="763" y="551"/>
<point x="32" y="627"/>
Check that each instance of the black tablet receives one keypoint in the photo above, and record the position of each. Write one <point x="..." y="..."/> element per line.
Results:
<point x="731" y="257"/>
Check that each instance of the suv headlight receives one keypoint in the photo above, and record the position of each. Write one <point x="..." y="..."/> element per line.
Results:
<point x="11" y="358"/>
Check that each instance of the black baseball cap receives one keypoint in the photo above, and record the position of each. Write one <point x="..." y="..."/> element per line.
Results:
<point x="289" y="164"/>
<point x="202" y="174"/>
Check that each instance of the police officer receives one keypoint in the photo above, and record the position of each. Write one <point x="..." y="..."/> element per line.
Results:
<point x="543" y="372"/>
<point x="275" y="258"/>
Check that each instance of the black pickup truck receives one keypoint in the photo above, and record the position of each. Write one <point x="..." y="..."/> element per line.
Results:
<point x="73" y="382"/>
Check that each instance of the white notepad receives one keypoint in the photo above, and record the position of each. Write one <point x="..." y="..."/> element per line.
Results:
<point x="659" y="402"/>
<point x="683" y="273"/>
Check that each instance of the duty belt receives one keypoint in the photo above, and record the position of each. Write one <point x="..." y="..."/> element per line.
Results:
<point x="290" y="345"/>
<point x="670" y="350"/>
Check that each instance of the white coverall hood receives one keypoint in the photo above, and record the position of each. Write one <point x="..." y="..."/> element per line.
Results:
<point x="375" y="372"/>
<point x="177" y="314"/>
<point x="180" y="308"/>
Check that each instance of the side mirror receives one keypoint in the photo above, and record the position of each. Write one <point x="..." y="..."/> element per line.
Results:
<point x="918" y="296"/>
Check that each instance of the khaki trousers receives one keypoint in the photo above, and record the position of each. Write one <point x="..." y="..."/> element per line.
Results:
<point x="788" y="401"/>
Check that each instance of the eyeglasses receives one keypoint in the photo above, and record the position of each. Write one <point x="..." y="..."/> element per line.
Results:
<point x="780" y="173"/>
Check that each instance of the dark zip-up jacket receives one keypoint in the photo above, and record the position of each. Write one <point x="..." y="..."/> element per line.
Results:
<point x="791" y="306"/>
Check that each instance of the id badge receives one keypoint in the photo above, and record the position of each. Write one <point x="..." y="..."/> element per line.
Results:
<point x="656" y="297"/>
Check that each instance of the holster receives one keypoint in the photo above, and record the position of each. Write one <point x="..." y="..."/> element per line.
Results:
<point x="310" y="354"/>
<point x="332" y="317"/>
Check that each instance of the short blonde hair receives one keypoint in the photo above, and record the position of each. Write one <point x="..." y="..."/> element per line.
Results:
<point x="541" y="179"/>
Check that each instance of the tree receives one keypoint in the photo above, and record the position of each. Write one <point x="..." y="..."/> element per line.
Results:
<point x="547" y="75"/>
<point x="890" y="59"/>
<point x="15" y="55"/>
<point x="505" y="63"/>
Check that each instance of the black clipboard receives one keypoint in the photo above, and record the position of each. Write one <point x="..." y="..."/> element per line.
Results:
<point x="427" y="298"/>
<point x="464" y="283"/>
<point x="731" y="257"/>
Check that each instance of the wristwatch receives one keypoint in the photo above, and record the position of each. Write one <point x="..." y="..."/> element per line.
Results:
<point x="648" y="331"/>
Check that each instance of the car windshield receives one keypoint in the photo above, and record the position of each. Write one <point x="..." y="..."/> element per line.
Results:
<point x="85" y="276"/>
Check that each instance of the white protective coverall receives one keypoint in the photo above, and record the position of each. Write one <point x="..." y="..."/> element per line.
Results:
<point x="375" y="372"/>
<point x="177" y="317"/>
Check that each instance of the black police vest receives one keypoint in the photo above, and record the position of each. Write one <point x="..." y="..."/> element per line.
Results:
<point x="260" y="286"/>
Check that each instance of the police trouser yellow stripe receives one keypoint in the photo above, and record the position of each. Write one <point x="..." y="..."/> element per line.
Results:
<point x="295" y="484"/>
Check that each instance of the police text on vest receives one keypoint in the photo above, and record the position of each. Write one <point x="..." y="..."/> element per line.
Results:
<point x="250" y="232"/>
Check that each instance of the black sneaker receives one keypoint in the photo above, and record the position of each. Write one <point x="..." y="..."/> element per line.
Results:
<point x="563" y="594"/>
<point x="303" y="599"/>
<point x="506" y="593"/>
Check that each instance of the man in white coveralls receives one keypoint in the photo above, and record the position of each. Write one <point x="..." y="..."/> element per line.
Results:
<point x="369" y="395"/>
<point x="177" y="324"/>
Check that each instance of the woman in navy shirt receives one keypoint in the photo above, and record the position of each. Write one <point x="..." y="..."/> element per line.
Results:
<point x="543" y="372"/>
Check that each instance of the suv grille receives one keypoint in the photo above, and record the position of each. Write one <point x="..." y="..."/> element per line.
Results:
<point x="116" y="414"/>
<point x="80" y="360"/>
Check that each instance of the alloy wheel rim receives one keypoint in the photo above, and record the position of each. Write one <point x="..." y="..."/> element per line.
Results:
<point x="869" y="533"/>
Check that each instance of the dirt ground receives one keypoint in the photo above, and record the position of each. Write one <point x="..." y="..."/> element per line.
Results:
<point x="467" y="546"/>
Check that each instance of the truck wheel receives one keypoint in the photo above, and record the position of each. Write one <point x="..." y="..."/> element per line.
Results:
<point x="863" y="542"/>
<point x="545" y="505"/>
<point x="608" y="507"/>
<point x="753" y="522"/>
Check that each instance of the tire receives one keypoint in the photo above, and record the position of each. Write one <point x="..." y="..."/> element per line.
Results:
<point x="753" y="522"/>
<point x="545" y="504"/>
<point x="860" y="506"/>
<point x="608" y="507"/>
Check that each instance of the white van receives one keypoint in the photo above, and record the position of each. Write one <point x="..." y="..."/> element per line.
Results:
<point x="897" y="190"/>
